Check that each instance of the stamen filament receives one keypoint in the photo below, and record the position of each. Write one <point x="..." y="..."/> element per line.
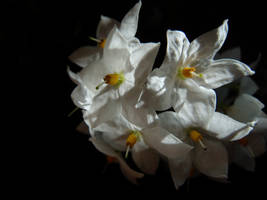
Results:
<point x="202" y="145"/>
<point x="74" y="110"/>
<point x="97" y="87"/>
<point x="95" y="39"/>
<point x="127" y="151"/>
<point x="197" y="137"/>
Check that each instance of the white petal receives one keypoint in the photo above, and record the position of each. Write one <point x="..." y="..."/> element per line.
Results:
<point x="142" y="59"/>
<point x="241" y="156"/>
<point x="177" y="44"/>
<point x="180" y="170"/>
<point x="246" y="108"/>
<point x="103" y="110"/>
<point x="198" y="106"/>
<point x="158" y="90"/>
<point x="104" y="148"/>
<point x="129" y="23"/>
<point x="141" y="116"/>
<point x="105" y="25"/>
<point x="115" y="40"/>
<point x="85" y="55"/>
<point x="165" y="143"/>
<point x="129" y="173"/>
<point x="248" y="86"/>
<point x="116" y="53"/>
<point x="212" y="162"/>
<point x="224" y="71"/>
<point x="146" y="159"/>
<point x="208" y="44"/>
<point x="170" y="121"/>
<point x="223" y="127"/>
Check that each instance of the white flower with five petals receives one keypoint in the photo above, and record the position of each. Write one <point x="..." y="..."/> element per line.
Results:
<point x="188" y="75"/>
<point x="209" y="155"/>
<point x="128" y="27"/>
<point x="118" y="74"/>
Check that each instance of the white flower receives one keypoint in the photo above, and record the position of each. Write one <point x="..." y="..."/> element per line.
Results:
<point x="145" y="141"/>
<point x="209" y="155"/>
<point x="117" y="74"/>
<point x="189" y="74"/>
<point x="128" y="27"/>
<point x="106" y="149"/>
<point x="247" y="108"/>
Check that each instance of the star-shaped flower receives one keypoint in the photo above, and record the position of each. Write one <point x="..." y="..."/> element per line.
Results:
<point x="188" y="75"/>
<point x="145" y="143"/>
<point x="118" y="74"/>
<point x="128" y="27"/>
<point x="209" y="155"/>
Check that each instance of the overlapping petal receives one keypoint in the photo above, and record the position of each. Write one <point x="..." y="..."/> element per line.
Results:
<point x="165" y="143"/>
<point x="212" y="162"/>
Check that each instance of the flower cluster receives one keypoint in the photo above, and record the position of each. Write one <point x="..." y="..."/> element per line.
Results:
<point x="200" y="128"/>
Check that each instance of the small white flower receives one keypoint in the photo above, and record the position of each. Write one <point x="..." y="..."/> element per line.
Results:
<point x="209" y="155"/>
<point x="124" y="136"/>
<point x="128" y="27"/>
<point x="189" y="74"/>
<point x="117" y="74"/>
<point x="106" y="149"/>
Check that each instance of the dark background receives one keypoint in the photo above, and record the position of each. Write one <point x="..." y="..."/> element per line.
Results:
<point x="38" y="36"/>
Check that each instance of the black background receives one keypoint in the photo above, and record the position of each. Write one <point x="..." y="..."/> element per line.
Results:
<point x="38" y="36"/>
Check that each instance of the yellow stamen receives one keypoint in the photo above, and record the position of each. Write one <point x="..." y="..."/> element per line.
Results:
<point x="102" y="43"/>
<point x="131" y="140"/>
<point x="197" y="137"/>
<point x="112" y="79"/>
<point x="188" y="72"/>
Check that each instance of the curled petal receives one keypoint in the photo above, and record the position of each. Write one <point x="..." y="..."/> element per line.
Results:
<point x="177" y="46"/>
<point x="224" y="71"/>
<point x="223" y="127"/>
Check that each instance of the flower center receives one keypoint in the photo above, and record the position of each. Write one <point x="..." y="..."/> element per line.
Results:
<point x="131" y="140"/>
<point x="112" y="79"/>
<point x="197" y="137"/>
<point x="188" y="72"/>
<point x="101" y="43"/>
